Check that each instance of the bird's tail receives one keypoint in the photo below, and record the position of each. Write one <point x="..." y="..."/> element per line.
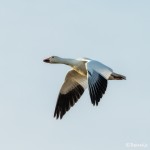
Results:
<point x="115" y="76"/>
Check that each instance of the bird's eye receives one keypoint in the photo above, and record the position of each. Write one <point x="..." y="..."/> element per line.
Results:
<point x="52" y="56"/>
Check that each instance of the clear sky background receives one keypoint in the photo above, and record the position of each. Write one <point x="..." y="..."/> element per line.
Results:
<point x="115" y="32"/>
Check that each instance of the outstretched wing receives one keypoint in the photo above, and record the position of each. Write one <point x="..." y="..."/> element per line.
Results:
<point x="70" y="92"/>
<point x="97" y="86"/>
<point x="97" y="75"/>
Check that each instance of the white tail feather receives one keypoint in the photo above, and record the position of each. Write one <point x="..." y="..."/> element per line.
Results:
<point x="115" y="76"/>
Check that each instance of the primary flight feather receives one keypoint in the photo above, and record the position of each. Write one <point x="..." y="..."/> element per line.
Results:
<point x="85" y="73"/>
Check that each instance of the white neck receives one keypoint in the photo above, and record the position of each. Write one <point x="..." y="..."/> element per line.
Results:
<point x="68" y="61"/>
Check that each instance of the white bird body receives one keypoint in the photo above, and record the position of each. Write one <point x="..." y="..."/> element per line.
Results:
<point x="85" y="73"/>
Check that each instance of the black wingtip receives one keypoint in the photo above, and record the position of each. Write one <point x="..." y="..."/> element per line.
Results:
<point x="66" y="101"/>
<point x="97" y="87"/>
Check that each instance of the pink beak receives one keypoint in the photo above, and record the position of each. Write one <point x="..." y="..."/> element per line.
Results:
<point x="46" y="60"/>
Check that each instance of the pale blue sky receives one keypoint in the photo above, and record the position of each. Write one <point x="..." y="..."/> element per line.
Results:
<point x="116" y="33"/>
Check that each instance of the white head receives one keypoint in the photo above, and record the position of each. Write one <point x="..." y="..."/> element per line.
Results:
<point x="52" y="59"/>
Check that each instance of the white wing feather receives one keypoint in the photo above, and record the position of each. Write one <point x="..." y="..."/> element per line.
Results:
<point x="100" y="68"/>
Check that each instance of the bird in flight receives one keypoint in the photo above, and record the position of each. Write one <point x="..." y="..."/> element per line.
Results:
<point x="85" y="73"/>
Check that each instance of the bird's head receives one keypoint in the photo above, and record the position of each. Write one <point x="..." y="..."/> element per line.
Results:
<point x="52" y="59"/>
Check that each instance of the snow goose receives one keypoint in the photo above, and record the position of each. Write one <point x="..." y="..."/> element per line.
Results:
<point x="85" y="73"/>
